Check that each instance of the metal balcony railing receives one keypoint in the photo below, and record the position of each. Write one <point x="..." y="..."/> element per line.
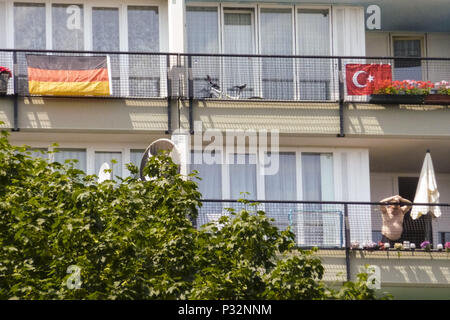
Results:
<point x="241" y="77"/>
<point x="340" y="225"/>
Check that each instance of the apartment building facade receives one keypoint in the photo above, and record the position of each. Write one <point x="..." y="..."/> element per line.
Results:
<point x="291" y="57"/>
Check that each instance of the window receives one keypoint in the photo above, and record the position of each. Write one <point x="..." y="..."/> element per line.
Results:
<point x="270" y="78"/>
<point x="78" y="154"/>
<point x="105" y="26"/>
<point x="243" y="176"/>
<point x="202" y="29"/>
<point x="407" y="69"/>
<point x="38" y="153"/>
<point x="210" y="185"/>
<point x="276" y="39"/>
<point x="282" y="186"/>
<point x="29" y="26"/>
<point x="211" y="174"/>
<point x="319" y="226"/>
<point x="57" y="26"/>
<point x="143" y="36"/>
<point x="105" y="37"/>
<point x="67" y="27"/>
<point x="136" y="156"/>
<point x="313" y="38"/>
<point x="238" y="38"/>
<point x="107" y="157"/>
<point x="202" y="24"/>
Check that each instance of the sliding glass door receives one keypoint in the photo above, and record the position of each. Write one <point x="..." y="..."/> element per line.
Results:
<point x="313" y="39"/>
<point x="277" y="74"/>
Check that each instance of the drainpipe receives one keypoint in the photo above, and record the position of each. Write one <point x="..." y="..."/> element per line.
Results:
<point x="16" y="95"/>
<point x="347" y="241"/>
<point x="341" y="100"/>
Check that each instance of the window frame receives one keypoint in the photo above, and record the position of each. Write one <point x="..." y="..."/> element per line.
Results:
<point x="260" y="187"/>
<point x="88" y="34"/>
<point x="412" y="36"/>
<point x="256" y="26"/>
<point x="297" y="92"/>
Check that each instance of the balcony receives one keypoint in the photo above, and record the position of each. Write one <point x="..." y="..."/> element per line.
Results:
<point x="232" y="77"/>
<point x="293" y="94"/>
<point x="334" y="224"/>
<point x="342" y="232"/>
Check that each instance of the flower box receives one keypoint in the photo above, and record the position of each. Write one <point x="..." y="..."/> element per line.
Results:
<point x="4" y="77"/>
<point x="397" y="98"/>
<point x="437" y="99"/>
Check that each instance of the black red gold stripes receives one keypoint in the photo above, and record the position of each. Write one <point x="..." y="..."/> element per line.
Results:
<point x="68" y="75"/>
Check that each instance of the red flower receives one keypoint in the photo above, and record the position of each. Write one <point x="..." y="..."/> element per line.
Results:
<point x="5" y="70"/>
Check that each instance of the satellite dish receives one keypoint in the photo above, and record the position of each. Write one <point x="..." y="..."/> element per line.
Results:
<point x="102" y="175"/>
<point x="154" y="148"/>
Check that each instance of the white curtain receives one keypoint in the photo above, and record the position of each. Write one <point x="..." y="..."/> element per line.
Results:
<point x="136" y="157"/>
<point x="319" y="224"/>
<point x="77" y="154"/>
<point x="68" y="27"/>
<point x="282" y="186"/>
<point x="105" y="34"/>
<point x="29" y="26"/>
<point x="102" y="157"/>
<point x="143" y="36"/>
<point x="243" y="176"/>
<point x="276" y="39"/>
<point x="210" y="186"/>
<point x="202" y="29"/>
<point x="313" y="38"/>
<point x="202" y="24"/>
<point x="211" y="174"/>
<point x="37" y="153"/>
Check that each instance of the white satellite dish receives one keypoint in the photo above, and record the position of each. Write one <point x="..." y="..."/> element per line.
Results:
<point x="102" y="175"/>
<point x="154" y="148"/>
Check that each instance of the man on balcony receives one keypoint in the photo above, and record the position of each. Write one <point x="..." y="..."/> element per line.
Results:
<point x="392" y="215"/>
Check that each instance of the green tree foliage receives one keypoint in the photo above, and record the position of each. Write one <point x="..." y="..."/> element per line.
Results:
<point x="135" y="239"/>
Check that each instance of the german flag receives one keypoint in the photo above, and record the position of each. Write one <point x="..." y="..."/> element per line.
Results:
<point x="68" y="75"/>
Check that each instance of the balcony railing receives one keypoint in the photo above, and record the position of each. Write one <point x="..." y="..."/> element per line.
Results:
<point x="260" y="77"/>
<point x="340" y="225"/>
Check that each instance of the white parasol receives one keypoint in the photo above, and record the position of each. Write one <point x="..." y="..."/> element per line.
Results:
<point x="427" y="191"/>
<point x="102" y="175"/>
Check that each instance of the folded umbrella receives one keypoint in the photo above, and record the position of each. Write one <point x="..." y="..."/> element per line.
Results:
<point x="427" y="191"/>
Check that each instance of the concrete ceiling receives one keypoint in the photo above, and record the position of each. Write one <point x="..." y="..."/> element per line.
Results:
<point x="388" y="154"/>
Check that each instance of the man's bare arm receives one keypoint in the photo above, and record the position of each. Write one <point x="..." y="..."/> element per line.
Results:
<point x="385" y="201"/>
<point x="389" y="199"/>
<point x="405" y="208"/>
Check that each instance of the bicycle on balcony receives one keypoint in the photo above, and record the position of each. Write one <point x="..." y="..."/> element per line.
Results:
<point x="214" y="91"/>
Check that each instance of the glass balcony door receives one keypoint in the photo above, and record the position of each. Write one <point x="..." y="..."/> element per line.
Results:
<point x="313" y="39"/>
<point x="239" y="38"/>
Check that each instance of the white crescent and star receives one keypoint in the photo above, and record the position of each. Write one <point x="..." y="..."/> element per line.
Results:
<point x="355" y="79"/>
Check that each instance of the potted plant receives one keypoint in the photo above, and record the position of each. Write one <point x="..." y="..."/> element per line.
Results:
<point x="398" y="246"/>
<point x="426" y="245"/>
<point x="406" y="91"/>
<point x="5" y="74"/>
<point x="354" y="245"/>
<point x="440" y="94"/>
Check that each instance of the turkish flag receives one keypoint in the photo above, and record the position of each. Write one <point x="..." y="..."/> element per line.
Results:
<point x="364" y="79"/>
